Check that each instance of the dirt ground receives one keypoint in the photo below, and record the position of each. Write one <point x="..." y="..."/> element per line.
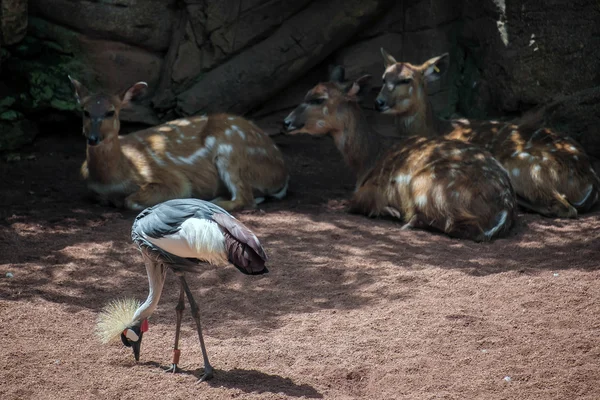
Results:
<point x="353" y="308"/>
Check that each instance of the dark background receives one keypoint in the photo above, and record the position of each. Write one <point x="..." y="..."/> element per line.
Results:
<point x="258" y="57"/>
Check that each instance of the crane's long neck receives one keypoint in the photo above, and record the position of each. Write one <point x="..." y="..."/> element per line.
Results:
<point x="157" y="273"/>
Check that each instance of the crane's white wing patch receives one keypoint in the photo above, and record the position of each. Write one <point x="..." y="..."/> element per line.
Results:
<point x="197" y="238"/>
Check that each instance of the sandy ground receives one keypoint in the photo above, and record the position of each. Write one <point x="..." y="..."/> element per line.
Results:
<point x="352" y="308"/>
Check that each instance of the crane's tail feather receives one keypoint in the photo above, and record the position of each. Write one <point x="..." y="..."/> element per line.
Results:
<point x="243" y="247"/>
<point x="240" y="232"/>
<point x="115" y="317"/>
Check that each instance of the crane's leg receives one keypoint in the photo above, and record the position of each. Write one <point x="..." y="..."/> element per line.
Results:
<point x="179" y="311"/>
<point x="208" y="369"/>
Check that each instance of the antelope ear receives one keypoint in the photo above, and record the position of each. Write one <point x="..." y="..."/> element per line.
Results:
<point x="133" y="92"/>
<point x="358" y="86"/>
<point x="337" y="74"/>
<point x="80" y="90"/>
<point x="387" y="58"/>
<point x="434" y="68"/>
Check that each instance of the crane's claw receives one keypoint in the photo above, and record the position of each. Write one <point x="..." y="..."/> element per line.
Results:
<point x="172" y="368"/>
<point x="208" y="374"/>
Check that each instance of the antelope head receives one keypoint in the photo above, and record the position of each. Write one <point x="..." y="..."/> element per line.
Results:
<point x="322" y="111"/>
<point x="101" y="111"/>
<point x="405" y="85"/>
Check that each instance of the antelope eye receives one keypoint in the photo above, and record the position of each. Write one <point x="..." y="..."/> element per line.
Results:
<point x="110" y="114"/>
<point x="404" y="81"/>
<point x="316" y="102"/>
<point x="86" y="113"/>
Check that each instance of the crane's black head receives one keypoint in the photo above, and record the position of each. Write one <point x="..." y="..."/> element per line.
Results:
<point x="132" y="337"/>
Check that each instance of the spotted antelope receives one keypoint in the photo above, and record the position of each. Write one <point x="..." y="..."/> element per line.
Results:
<point x="447" y="185"/>
<point x="551" y="173"/>
<point x="223" y="158"/>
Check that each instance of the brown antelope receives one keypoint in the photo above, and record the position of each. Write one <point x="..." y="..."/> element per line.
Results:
<point x="551" y="174"/>
<point x="206" y="157"/>
<point x="447" y="185"/>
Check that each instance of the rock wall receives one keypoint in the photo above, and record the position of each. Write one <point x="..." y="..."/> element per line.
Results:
<point x="261" y="56"/>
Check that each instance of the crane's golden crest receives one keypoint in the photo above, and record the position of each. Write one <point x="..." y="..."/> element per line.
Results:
<point x="114" y="318"/>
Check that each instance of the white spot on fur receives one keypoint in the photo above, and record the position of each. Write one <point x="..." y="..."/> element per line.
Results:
<point x="575" y="158"/>
<point x="516" y="171"/>
<point x="421" y="200"/>
<point x="440" y="196"/>
<point x="281" y="194"/>
<point x="224" y="149"/>
<point x="535" y="172"/>
<point x="586" y="195"/>
<point x="155" y="157"/>
<point x="209" y="142"/>
<point x="523" y="155"/>
<point x="196" y="238"/>
<point x="231" y="118"/>
<point x="403" y="179"/>
<point x="239" y="131"/>
<point x="320" y="123"/>
<point x="325" y="110"/>
<point x="501" y="222"/>
<point x="202" y="152"/>
<point x="256" y="150"/>
<point x="408" y="121"/>
<point x="410" y="90"/>
<point x="390" y="86"/>
<point x="222" y="163"/>
<point x="228" y="132"/>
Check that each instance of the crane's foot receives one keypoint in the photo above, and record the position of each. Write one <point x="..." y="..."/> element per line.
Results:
<point x="208" y="374"/>
<point x="172" y="368"/>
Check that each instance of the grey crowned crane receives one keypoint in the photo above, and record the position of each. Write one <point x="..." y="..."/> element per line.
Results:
<point x="179" y="235"/>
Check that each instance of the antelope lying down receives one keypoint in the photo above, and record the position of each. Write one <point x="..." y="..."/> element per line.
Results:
<point x="551" y="174"/>
<point x="206" y="157"/>
<point x="447" y="185"/>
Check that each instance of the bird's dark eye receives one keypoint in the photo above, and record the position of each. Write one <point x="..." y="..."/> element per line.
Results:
<point x="110" y="114"/>
<point x="316" y="102"/>
<point x="86" y="113"/>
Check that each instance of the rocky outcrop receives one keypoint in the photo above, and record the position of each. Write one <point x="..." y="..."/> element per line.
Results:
<point x="260" y="56"/>
<point x="13" y="21"/>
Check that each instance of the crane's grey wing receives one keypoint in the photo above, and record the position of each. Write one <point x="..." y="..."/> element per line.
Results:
<point x="169" y="229"/>
<point x="243" y="247"/>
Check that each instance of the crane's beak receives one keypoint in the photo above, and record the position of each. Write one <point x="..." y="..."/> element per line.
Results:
<point x="136" y="347"/>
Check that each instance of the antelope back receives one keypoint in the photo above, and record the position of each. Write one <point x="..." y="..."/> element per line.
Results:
<point x="452" y="186"/>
